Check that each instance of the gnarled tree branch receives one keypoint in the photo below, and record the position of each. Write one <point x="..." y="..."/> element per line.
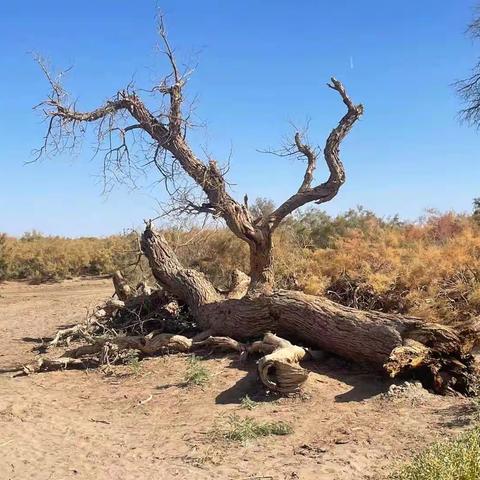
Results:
<point x="164" y="132"/>
<point x="327" y="190"/>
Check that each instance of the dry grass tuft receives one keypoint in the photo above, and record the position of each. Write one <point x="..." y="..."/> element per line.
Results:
<point x="196" y="373"/>
<point x="240" y="429"/>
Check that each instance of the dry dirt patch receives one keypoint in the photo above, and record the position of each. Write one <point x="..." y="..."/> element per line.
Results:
<point x="140" y="421"/>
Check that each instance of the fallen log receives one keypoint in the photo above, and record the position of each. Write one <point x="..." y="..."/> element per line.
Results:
<point x="440" y="357"/>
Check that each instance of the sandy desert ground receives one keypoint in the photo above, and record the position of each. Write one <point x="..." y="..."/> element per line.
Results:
<point x="141" y="422"/>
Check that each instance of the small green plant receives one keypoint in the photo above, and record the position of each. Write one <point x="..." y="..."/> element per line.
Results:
<point x="457" y="459"/>
<point x="243" y="429"/>
<point x="247" y="403"/>
<point x="196" y="373"/>
<point x="132" y="359"/>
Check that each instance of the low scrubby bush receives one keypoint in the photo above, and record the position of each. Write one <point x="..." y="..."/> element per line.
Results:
<point x="429" y="268"/>
<point x="457" y="459"/>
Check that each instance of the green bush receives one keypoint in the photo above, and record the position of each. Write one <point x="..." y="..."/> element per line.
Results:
<point x="452" y="460"/>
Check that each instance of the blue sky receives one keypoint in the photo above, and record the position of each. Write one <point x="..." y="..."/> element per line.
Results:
<point x="261" y="66"/>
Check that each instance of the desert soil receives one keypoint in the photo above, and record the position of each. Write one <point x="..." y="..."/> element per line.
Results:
<point x="141" y="422"/>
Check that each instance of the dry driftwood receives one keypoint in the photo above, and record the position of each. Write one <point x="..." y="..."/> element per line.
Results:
<point x="279" y="370"/>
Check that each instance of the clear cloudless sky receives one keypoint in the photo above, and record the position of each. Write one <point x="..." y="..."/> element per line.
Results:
<point x="262" y="64"/>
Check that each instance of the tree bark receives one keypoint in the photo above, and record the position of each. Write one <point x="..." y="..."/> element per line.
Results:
<point x="188" y="285"/>
<point x="261" y="263"/>
<point x="392" y="343"/>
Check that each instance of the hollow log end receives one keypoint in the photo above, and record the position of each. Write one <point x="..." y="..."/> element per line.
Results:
<point x="280" y="371"/>
<point x="440" y="358"/>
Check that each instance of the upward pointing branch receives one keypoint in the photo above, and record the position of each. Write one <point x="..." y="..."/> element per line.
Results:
<point x="327" y="190"/>
<point x="165" y="133"/>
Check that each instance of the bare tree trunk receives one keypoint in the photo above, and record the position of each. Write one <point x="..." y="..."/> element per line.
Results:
<point x="389" y="342"/>
<point x="261" y="263"/>
<point x="189" y="286"/>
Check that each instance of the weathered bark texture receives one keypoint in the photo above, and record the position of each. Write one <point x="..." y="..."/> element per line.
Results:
<point x="188" y="285"/>
<point x="261" y="263"/>
<point x="239" y="284"/>
<point x="393" y="343"/>
<point x="280" y="370"/>
<point x="122" y="288"/>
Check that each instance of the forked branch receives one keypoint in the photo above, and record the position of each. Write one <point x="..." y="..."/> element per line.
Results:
<point x="164" y="133"/>
<point x="327" y="190"/>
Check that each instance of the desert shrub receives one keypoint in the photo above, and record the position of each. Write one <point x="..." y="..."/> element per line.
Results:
<point x="457" y="459"/>
<point x="316" y="229"/>
<point x="41" y="258"/>
<point x="434" y="276"/>
<point x="429" y="268"/>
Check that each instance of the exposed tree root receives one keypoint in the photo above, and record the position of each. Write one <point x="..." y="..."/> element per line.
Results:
<point x="279" y="370"/>
<point x="440" y="355"/>
<point x="68" y="334"/>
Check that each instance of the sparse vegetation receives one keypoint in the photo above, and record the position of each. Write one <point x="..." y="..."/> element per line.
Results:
<point x="196" y="373"/>
<point x="240" y="429"/>
<point x="39" y="258"/>
<point x="452" y="460"/>
<point x="132" y="359"/>
<point x="247" y="403"/>
<point x="429" y="268"/>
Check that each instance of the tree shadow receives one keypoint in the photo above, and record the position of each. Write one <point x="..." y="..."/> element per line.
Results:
<point x="459" y="415"/>
<point x="36" y="339"/>
<point x="41" y="343"/>
<point x="364" y="383"/>
<point x="247" y="385"/>
<point x="46" y="338"/>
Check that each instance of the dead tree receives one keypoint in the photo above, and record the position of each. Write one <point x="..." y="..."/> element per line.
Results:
<point x="392" y="343"/>
<point x="469" y="88"/>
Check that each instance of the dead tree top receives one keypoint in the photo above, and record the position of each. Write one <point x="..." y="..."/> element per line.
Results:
<point x="166" y="132"/>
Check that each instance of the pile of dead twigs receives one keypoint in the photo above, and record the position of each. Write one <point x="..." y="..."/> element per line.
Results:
<point x="145" y="322"/>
